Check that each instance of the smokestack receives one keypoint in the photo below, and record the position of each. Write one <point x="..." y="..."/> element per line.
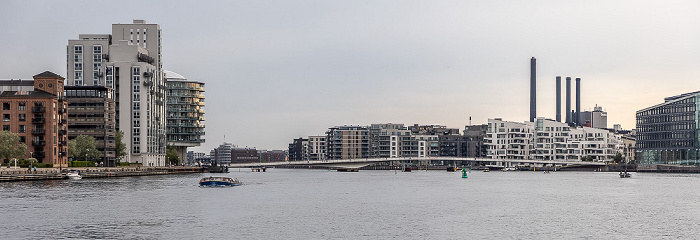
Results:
<point x="558" y="99"/>
<point x="568" y="99"/>
<point x="578" y="101"/>
<point x="533" y="89"/>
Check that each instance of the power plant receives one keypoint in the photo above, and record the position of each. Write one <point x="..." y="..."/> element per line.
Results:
<point x="533" y="89"/>
<point x="573" y="118"/>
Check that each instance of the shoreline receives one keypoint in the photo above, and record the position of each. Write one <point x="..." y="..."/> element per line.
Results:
<point x="24" y="174"/>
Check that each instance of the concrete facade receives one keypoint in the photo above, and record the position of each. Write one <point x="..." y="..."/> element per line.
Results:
<point x="546" y="139"/>
<point x="130" y="61"/>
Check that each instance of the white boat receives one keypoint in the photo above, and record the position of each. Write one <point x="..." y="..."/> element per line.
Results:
<point x="74" y="174"/>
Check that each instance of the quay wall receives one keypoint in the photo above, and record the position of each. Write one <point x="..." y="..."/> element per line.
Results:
<point x="11" y="174"/>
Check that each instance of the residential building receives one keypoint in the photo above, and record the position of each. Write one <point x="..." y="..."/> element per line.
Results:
<point x="549" y="140"/>
<point x="474" y="141"/>
<point x="667" y="133"/>
<point x="129" y="61"/>
<point x="347" y="142"/>
<point x="91" y="112"/>
<point x="45" y="134"/>
<point x="185" y="113"/>
<point x="297" y="149"/>
<point x="316" y="148"/>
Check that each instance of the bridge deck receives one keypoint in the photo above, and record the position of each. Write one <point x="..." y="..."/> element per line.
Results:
<point x="367" y="161"/>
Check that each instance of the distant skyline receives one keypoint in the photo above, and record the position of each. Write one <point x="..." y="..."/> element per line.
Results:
<point x="279" y="70"/>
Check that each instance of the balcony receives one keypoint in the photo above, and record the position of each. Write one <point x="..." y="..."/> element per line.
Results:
<point x="62" y="154"/>
<point x="38" y="143"/>
<point x="38" y="154"/>
<point x="39" y="131"/>
<point x="61" y="110"/>
<point x="61" y="132"/>
<point x="38" y="109"/>
<point x="39" y="120"/>
<point x="62" y="143"/>
<point x="63" y="121"/>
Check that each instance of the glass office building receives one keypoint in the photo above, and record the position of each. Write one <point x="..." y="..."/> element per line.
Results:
<point x="668" y="133"/>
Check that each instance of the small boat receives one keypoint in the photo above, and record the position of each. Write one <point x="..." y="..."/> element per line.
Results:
<point x="74" y="174"/>
<point x="625" y="175"/>
<point x="219" y="182"/>
<point x="486" y="170"/>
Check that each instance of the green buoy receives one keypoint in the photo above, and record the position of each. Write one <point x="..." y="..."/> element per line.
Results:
<point x="464" y="172"/>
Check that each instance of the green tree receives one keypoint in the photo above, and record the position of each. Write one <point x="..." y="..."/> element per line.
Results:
<point x="82" y="147"/>
<point x="119" y="146"/>
<point x="617" y="158"/>
<point x="171" y="155"/>
<point x="10" y="147"/>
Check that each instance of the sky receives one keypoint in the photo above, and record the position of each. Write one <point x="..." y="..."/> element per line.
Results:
<point x="279" y="70"/>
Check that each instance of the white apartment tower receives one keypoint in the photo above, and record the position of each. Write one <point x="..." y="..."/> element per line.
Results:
<point x="129" y="60"/>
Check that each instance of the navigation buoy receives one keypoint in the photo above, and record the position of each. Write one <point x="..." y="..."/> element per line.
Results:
<point x="464" y="172"/>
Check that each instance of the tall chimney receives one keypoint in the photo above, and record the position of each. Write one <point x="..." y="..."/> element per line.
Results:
<point x="578" y="101"/>
<point x="533" y="89"/>
<point x="558" y="98"/>
<point x="568" y="99"/>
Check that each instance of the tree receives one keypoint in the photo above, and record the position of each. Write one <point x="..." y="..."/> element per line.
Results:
<point x="119" y="146"/>
<point x="172" y="156"/>
<point x="617" y="158"/>
<point x="83" y="147"/>
<point x="10" y="147"/>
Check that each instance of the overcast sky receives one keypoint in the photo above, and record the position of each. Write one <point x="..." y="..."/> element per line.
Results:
<point x="278" y="70"/>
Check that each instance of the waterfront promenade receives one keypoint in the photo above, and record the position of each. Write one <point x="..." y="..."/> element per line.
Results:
<point x="25" y="174"/>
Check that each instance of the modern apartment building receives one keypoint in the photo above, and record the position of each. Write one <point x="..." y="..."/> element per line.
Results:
<point x="91" y="112"/>
<point x="348" y="142"/>
<point x="298" y="149"/>
<point x="129" y="60"/>
<point x="316" y="148"/>
<point x="45" y="132"/>
<point x="185" y="113"/>
<point x="549" y="140"/>
<point x="669" y="133"/>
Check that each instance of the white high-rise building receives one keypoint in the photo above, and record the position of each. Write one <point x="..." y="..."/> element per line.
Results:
<point x="129" y="60"/>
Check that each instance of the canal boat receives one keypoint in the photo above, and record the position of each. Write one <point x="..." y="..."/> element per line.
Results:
<point x="74" y="174"/>
<point x="625" y="174"/>
<point x="219" y="182"/>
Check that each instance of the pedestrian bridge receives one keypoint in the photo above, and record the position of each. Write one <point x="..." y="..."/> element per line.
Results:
<point x="361" y="162"/>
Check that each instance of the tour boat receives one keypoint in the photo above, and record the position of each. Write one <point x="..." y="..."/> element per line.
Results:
<point x="74" y="174"/>
<point x="219" y="182"/>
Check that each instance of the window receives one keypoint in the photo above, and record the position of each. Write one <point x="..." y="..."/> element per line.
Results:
<point x="22" y="128"/>
<point x="97" y="49"/>
<point x="5" y="106"/>
<point x="22" y="139"/>
<point x="22" y="106"/>
<point x="78" y="66"/>
<point x="22" y="117"/>
<point x="6" y="117"/>
<point x="78" y="48"/>
<point x="6" y="128"/>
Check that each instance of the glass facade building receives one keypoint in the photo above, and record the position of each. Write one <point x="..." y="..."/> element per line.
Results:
<point x="668" y="133"/>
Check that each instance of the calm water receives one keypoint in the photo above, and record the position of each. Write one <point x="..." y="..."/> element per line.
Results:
<point x="318" y="204"/>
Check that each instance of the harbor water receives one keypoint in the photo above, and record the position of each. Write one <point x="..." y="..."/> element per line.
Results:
<point x="321" y="204"/>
